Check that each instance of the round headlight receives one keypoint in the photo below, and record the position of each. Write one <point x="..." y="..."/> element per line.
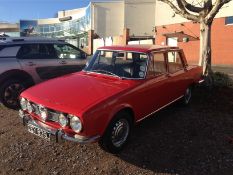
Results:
<point x="75" y="123"/>
<point x="43" y="112"/>
<point x="29" y="107"/>
<point x="62" y="119"/>
<point x="23" y="104"/>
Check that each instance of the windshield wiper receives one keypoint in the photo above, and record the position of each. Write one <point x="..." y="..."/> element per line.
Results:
<point x="106" y="72"/>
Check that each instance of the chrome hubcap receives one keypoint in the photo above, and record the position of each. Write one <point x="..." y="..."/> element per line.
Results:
<point x="120" y="132"/>
<point x="187" y="95"/>
<point x="12" y="92"/>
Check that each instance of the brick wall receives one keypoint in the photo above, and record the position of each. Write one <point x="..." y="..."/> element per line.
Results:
<point x="222" y="41"/>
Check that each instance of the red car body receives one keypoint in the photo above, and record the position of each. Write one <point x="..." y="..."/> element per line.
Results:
<point x="96" y="98"/>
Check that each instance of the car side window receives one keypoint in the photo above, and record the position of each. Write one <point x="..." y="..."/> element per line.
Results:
<point x="8" y="51"/>
<point x="65" y="51"/>
<point x="157" y="65"/>
<point x="36" y="51"/>
<point x="174" y="62"/>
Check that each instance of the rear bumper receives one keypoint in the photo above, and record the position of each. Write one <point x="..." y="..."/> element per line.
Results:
<point x="56" y="135"/>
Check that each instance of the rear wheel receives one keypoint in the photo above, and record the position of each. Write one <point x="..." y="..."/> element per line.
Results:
<point x="9" y="93"/>
<point x="187" y="96"/>
<point x="118" y="133"/>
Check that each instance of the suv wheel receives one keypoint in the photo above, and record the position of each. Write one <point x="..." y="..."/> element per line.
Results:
<point x="9" y="93"/>
<point x="117" y="134"/>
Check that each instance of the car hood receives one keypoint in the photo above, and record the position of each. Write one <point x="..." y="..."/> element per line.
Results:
<point x="76" y="92"/>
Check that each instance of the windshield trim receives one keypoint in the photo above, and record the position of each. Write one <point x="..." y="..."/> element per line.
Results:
<point x="123" y="78"/>
<point x="146" y="53"/>
<point x="115" y="76"/>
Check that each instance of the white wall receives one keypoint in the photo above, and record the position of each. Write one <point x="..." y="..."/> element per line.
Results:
<point x="48" y="21"/>
<point x="72" y="12"/>
<point x="140" y="16"/>
<point x="108" y="18"/>
<point x="97" y="43"/>
<point x="165" y="15"/>
<point x="148" y="41"/>
<point x="75" y="13"/>
<point x="226" y="10"/>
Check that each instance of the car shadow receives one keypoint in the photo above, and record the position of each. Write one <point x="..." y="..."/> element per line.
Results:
<point x="195" y="139"/>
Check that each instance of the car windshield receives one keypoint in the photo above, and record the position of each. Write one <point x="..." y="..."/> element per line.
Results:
<point x="130" y="65"/>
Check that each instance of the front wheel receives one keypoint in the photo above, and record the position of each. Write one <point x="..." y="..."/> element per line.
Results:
<point x="117" y="133"/>
<point x="9" y="93"/>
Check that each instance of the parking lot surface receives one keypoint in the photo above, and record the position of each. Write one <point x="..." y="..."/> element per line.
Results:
<point x="197" y="139"/>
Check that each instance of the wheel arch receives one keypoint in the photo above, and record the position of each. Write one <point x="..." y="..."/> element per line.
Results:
<point x="130" y="111"/>
<point x="123" y="107"/>
<point x="113" y="115"/>
<point x="192" y="85"/>
<point x="17" y="74"/>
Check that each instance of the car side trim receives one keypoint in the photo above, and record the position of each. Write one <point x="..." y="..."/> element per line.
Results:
<point x="160" y="109"/>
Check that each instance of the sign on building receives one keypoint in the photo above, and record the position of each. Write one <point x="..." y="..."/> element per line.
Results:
<point x="28" y="27"/>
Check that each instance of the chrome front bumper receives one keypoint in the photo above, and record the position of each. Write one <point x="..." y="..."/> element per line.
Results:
<point x="56" y="135"/>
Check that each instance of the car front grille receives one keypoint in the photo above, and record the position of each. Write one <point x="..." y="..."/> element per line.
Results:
<point x="36" y="108"/>
<point x="52" y="115"/>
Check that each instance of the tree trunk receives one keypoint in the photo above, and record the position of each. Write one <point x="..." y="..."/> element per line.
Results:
<point x="205" y="51"/>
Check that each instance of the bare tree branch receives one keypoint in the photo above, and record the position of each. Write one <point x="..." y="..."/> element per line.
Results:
<point x="181" y="10"/>
<point x="208" y="4"/>
<point x="191" y="7"/>
<point x="216" y="7"/>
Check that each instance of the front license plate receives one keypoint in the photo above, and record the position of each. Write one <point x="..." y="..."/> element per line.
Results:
<point x="39" y="132"/>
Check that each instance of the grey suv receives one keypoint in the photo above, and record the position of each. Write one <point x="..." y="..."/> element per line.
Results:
<point x="28" y="61"/>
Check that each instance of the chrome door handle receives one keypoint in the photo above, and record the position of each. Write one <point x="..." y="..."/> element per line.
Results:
<point x="62" y="62"/>
<point x="31" y="64"/>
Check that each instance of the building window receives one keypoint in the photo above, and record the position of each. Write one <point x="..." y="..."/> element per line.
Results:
<point x="229" y="20"/>
<point x="83" y="42"/>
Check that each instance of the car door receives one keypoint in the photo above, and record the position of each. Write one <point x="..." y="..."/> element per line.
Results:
<point x="176" y="70"/>
<point x="38" y="59"/>
<point x="154" y="92"/>
<point x="70" y="58"/>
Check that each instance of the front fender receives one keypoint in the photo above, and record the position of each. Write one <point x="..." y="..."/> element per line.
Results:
<point x="98" y="120"/>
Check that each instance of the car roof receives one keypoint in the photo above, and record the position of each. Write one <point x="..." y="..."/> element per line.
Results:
<point x="144" y="48"/>
<point x="24" y="40"/>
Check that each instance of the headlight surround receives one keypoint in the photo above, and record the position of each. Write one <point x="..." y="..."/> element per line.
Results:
<point x="23" y="104"/>
<point x="43" y="112"/>
<point x="63" y="120"/>
<point x="30" y="108"/>
<point x="75" y="123"/>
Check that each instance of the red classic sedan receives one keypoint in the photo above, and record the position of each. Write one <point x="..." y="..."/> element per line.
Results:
<point x="120" y="86"/>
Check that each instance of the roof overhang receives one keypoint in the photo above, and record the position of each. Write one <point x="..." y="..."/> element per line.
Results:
<point x="133" y="38"/>
<point x="7" y="27"/>
<point x="67" y="18"/>
<point x="181" y="36"/>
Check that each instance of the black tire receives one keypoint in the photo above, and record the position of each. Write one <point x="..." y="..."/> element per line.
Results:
<point x="10" y="91"/>
<point x="110" y="143"/>
<point x="187" y="96"/>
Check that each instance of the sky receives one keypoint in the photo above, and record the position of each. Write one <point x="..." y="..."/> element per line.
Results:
<point x="14" y="10"/>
